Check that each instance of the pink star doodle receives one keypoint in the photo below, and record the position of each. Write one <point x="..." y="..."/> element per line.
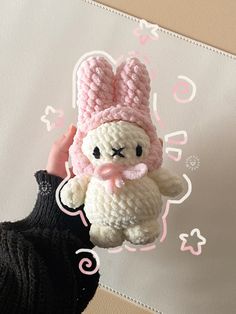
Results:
<point x="146" y="31"/>
<point x="184" y="247"/>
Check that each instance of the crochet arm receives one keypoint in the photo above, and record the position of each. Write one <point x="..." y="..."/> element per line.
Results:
<point x="168" y="183"/>
<point x="73" y="192"/>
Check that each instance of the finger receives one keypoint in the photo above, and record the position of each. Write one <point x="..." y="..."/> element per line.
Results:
<point x="68" y="137"/>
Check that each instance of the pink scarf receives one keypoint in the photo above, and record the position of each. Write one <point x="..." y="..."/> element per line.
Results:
<point x="115" y="174"/>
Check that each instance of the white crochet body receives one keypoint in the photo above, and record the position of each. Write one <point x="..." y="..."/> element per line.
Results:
<point x="131" y="212"/>
<point x="137" y="201"/>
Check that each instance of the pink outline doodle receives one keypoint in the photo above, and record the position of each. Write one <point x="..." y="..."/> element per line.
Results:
<point x="177" y="150"/>
<point x="169" y="202"/>
<point x="115" y="250"/>
<point x="148" y="247"/>
<point x="144" y="248"/>
<point x="190" y="248"/>
<point x="78" y="212"/>
<point x="169" y="137"/>
<point x="130" y="249"/>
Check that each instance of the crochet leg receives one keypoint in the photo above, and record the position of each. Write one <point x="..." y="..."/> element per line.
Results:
<point x="143" y="233"/>
<point x="105" y="236"/>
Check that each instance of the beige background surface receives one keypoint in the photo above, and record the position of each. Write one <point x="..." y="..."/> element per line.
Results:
<point x="212" y="22"/>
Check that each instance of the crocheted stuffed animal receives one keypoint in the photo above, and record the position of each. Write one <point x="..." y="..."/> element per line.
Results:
<point x="116" y="155"/>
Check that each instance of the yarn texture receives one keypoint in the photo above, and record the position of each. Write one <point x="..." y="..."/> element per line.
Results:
<point x="117" y="149"/>
<point x="39" y="270"/>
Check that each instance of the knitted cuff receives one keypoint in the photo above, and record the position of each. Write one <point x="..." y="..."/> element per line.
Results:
<point x="47" y="214"/>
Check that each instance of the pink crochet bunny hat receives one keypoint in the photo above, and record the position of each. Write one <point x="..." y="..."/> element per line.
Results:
<point x="104" y="97"/>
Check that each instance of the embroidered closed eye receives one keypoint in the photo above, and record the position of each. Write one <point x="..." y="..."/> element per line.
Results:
<point x="96" y="153"/>
<point x="139" y="150"/>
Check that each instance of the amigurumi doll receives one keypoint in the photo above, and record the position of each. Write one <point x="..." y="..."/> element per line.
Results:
<point x="116" y="155"/>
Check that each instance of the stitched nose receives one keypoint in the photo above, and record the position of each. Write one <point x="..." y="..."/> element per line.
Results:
<point x="118" y="152"/>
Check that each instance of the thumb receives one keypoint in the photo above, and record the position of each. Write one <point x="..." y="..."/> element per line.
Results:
<point x="71" y="172"/>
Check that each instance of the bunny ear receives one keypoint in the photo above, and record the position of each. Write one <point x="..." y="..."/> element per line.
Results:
<point x="95" y="86"/>
<point x="132" y="84"/>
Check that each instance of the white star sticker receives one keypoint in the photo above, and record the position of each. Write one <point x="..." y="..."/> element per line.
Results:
<point x="151" y="27"/>
<point x="57" y="123"/>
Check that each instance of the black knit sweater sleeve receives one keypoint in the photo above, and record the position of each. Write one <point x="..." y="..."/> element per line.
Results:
<point x="39" y="270"/>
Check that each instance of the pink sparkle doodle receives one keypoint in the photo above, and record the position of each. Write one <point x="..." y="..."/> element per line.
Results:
<point x="78" y="212"/>
<point x="178" y="137"/>
<point x="169" y="202"/>
<point x="184" y="236"/>
<point x="58" y="115"/>
<point x="146" y="32"/>
<point x="183" y="88"/>
<point x="178" y="152"/>
<point x="88" y="261"/>
<point x="154" y="106"/>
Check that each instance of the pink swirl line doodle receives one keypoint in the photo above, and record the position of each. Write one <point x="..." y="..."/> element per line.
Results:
<point x="154" y="106"/>
<point x="169" y="202"/>
<point x="89" y="262"/>
<point x="185" y="84"/>
<point x="57" y="123"/>
<point x="184" y="236"/>
<point x="177" y="150"/>
<point x="145" y="27"/>
<point x="169" y="137"/>
<point x="78" y="212"/>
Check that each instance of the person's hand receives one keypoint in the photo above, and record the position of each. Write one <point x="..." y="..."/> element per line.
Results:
<point x="59" y="154"/>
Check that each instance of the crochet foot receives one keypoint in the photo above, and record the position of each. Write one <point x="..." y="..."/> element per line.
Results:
<point x="105" y="236"/>
<point x="143" y="233"/>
